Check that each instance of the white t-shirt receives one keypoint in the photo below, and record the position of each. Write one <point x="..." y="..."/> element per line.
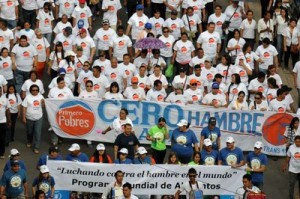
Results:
<point x="120" y="45"/>
<point x="277" y="78"/>
<point x="139" y="61"/>
<point x="41" y="45"/>
<point x="142" y="81"/>
<point x="53" y="83"/>
<point x="24" y="57"/>
<point x="201" y="82"/>
<point x="248" y="58"/>
<point x="128" y="71"/>
<point x="156" y="96"/>
<point x="4" y="105"/>
<point x="194" y="96"/>
<point x="100" y="85"/>
<point x="118" y="125"/>
<point x="175" y="26"/>
<point x="179" y="82"/>
<point x="176" y="99"/>
<point x="45" y="21"/>
<point x="187" y="188"/>
<point x="194" y="21"/>
<point x="83" y="77"/>
<point x="134" y="94"/>
<point x="5" y="37"/>
<point x="82" y="13"/>
<point x="262" y="25"/>
<point x="137" y="24"/>
<point x="79" y="61"/>
<point x="6" y="68"/>
<point x="66" y="7"/>
<point x="29" y="82"/>
<point x="86" y="43"/>
<point x="295" y="70"/>
<point x="263" y="104"/>
<point x="209" y="42"/>
<point x="197" y="5"/>
<point x="55" y="58"/>
<point x="218" y="99"/>
<point x="270" y="94"/>
<point x="236" y="19"/>
<point x="60" y="26"/>
<point x="234" y="90"/>
<point x="257" y="86"/>
<point x="70" y="69"/>
<point x="281" y="24"/>
<point x="248" y="29"/>
<point x="34" y="107"/>
<point x="293" y="153"/>
<point x="113" y="7"/>
<point x="161" y="77"/>
<point x="267" y="55"/>
<point x="103" y="64"/>
<point x="226" y="72"/>
<point x="103" y="37"/>
<point x="218" y="21"/>
<point x="279" y="106"/>
<point x="29" y="34"/>
<point x="66" y="41"/>
<point x="157" y="25"/>
<point x="168" y="50"/>
<point x="242" y="72"/>
<point x="184" y="50"/>
<point x="291" y="37"/>
<point x="14" y="100"/>
<point x="57" y="93"/>
<point x="232" y="43"/>
<point x="208" y="74"/>
<point x="115" y="75"/>
<point x="109" y="95"/>
<point x="29" y="4"/>
<point x="197" y="61"/>
<point x="8" y="9"/>
<point x="235" y="105"/>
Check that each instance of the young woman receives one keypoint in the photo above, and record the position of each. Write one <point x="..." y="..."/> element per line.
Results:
<point x="114" y="92"/>
<point x="224" y="69"/>
<point x="240" y="103"/>
<point x="235" y="45"/>
<point x="45" y="21"/>
<point x="281" y="21"/>
<point x="44" y="182"/>
<point x="173" y="159"/>
<point x="196" y="159"/>
<point x="271" y="72"/>
<point x="291" y="131"/>
<point x="259" y="103"/>
<point x="6" y="66"/>
<point x="55" y="57"/>
<point x="235" y="87"/>
<point x="100" y="155"/>
<point x="88" y="93"/>
<point x="271" y="91"/>
<point x="15" y="108"/>
<point x="122" y="157"/>
<point x="68" y="63"/>
<point x="33" y="80"/>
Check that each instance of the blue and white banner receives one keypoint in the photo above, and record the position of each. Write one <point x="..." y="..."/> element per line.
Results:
<point x="86" y="119"/>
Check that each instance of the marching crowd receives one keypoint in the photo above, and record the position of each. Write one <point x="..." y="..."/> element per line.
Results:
<point x="209" y="57"/>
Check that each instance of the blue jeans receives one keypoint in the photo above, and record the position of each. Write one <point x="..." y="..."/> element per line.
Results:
<point x="11" y="24"/>
<point x="279" y="47"/>
<point x="48" y="36"/>
<point x="21" y="77"/>
<point x="34" y="131"/>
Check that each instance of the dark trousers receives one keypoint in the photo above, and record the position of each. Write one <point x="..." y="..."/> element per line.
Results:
<point x="178" y="65"/>
<point x="158" y="6"/>
<point x="29" y="16"/>
<point x="230" y="35"/>
<point x="293" y="178"/>
<point x="131" y="6"/>
<point x="53" y="73"/>
<point x="2" y="138"/>
<point x="209" y="7"/>
<point x="251" y="42"/>
<point x="158" y="156"/>
<point x="11" y="131"/>
<point x="287" y="56"/>
<point x="264" y="6"/>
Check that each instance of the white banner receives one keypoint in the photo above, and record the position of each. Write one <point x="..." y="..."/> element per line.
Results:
<point x="86" y="119"/>
<point x="146" y="179"/>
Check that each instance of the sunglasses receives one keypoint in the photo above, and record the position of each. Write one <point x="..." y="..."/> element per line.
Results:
<point x="166" y="31"/>
<point x="34" y="90"/>
<point x="192" y="176"/>
<point x="15" y="155"/>
<point x="194" y="84"/>
<point x="89" y="86"/>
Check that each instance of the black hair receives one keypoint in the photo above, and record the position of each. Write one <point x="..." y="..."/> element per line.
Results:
<point x="59" y="79"/>
<point x="33" y="86"/>
<point x="128" y="185"/>
<point x="280" y="91"/>
<point x="120" y="28"/>
<point x="97" y="68"/>
<point x="56" y="52"/>
<point x="38" y="193"/>
<point x="125" y="110"/>
<point x="32" y="72"/>
<point x="89" y="81"/>
<point x="261" y="74"/>
<point x="294" y="120"/>
<point x="272" y="81"/>
<point x="192" y="171"/>
<point x="269" y="68"/>
<point x="248" y="177"/>
<point x="218" y="6"/>
<point x="15" y="91"/>
<point x="297" y="137"/>
<point x="259" y="93"/>
<point x="117" y="172"/>
<point x="104" y="156"/>
<point x="157" y="82"/>
<point x="161" y="119"/>
<point x="246" y="46"/>
<point x="184" y="33"/>
<point x="241" y="92"/>
<point x="114" y="84"/>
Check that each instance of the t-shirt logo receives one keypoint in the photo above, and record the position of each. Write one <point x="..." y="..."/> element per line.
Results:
<point x="142" y="85"/>
<point x="121" y="43"/>
<point x="168" y="44"/>
<point x="266" y="55"/>
<point x="211" y="40"/>
<point x="15" y="181"/>
<point x="39" y="47"/>
<point x="219" y="23"/>
<point x="102" y="68"/>
<point x="236" y="15"/>
<point x="260" y="89"/>
<point x="234" y="91"/>
<point x="178" y="102"/>
<point x="105" y="38"/>
<point x="85" y="79"/>
<point x="297" y="155"/>
<point x="160" y="98"/>
<point x="83" y="44"/>
<point x="26" y="54"/>
<point x="69" y="69"/>
<point x="135" y="96"/>
<point x="141" y="24"/>
<point x="215" y="101"/>
<point x="36" y="103"/>
<point x="113" y="75"/>
<point x="255" y="163"/>
<point x="9" y="3"/>
<point x="242" y="73"/>
<point x="11" y="101"/>
<point x="209" y="76"/>
<point x="96" y="87"/>
<point x="47" y="21"/>
<point x="1" y="39"/>
<point x="225" y="72"/>
<point x="79" y="65"/>
<point x="60" y="95"/>
<point x="201" y="65"/>
<point x="157" y="25"/>
<point x="173" y="26"/>
<point x="5" y="64"/>
<point x="195" y="98"/>
<point x="65" y="43"/>
<point x="280" y="110"/>
<point x="192" y="22"/>
<point x="270" y="97"/>
<point x="231" y="159"/>
<point x="67" y="5"/>
<point x="127" y="72"/>
<point x="248" y="59"/>
<point x="82" y="15"/>
<point x="183" y="49"/>
<point x="111" y="8"/>
<point x="195" y="8"/>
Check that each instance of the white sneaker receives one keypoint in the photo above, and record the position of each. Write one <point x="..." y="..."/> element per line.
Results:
<point x="50" y="129"/>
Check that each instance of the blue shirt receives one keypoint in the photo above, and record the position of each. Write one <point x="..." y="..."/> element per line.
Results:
<point x="146" y="160"/>
<point x="8" y="166"/>
<point x="229" y="157"/>
<point x="82" y="157"/>
<point x="212" y="135"/>
<point x="182" y="142"/>
<point x="17" y="179"/>
<point x="209" y="158"/>
<point x="126" y="161"/>
<point x="45" y="185"/>
<point x="43" y="159"/>
<point x="255" y="162"/>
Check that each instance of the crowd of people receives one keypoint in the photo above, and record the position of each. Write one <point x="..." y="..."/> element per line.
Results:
<point x="211" y="58"/>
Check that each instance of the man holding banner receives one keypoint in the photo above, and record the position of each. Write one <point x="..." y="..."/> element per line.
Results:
<point x="115" y="189"/>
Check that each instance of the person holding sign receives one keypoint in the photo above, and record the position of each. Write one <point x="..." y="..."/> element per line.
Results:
<point x="193" y="188"/>
<point x="115" y="189"/>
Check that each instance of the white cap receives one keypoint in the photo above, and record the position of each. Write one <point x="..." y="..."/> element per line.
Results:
<point x="100" y="147"/>
<point x="141" y="150"/>
<point x="44" y="169"/>
<point x="123" y="150"/>
<point x="207" y="142"/>
<point x="182" y="123"/>
<point x="258" y="145"/>
<point x="74" y="147"/>
<point x="70" y="53"/>
<point x="14" y="152"/>
<point x="229" y="139"/>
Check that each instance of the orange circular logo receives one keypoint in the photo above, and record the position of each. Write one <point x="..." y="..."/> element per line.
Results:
<point x="5" y="65"/>
<point x="236" y="15"/>
<point x="183" y="49"/>
<point x="36" y="103"/>
<point x="65" y="43"/>
<point x="266" y="55"/>
<point x="69" y="69"/>
<point x="211" y="40"/>
<point x="102" y="68"/>
<point x="160" y="98"/>
<point x="173" y="26"/>
<point x="199" y="83"/>
<point x="11" y="101"/>
<point x="192" y="22"/>
<point x="270" y="97"/>
<point x="195" y="98"/>
<point x="113" y="75"/>
<point x="121" y="43"/>
<point x="260" y="89"/>
<point x="209" y="76"/>
<point x="127" y="72"/>
<point x="195" y="8"/>
<point x="142" y="85"/>
<point x="83" y="45"/>
<point x="242" y="73"/>
<point x="248" y="59"/>
<point x="82" y="15"/>
<point x="111" y="8"/>
<point x="234" y="91"/>
<point x="60" y="95"/>
<point x="75" y="118"/>
<point x="67" y="5"/>
<point x="26" y="54"/>
<point x="168" y="44"/>
<point x="1" y="39"/>
<point x="96" y="87"/>
<point x="135" y="96"/>
<point x="9" y="3"/>
<point x="219" y="23"/>
<point x="157" y="25"/>
<point x="105" y="38"/>
<point x="39" y="47"/>
<point x="79" y="65"/>
<point x="141" y="24"/>
<point x="215" y="102"/>
<point x="47" y="21"/>
<point x="225" y="72"/>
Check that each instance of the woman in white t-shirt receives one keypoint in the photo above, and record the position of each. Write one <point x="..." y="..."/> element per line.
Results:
<point x="225" y="69"/>
<point x="15" y="102"/>
<point x="6" y="66"/>
<point x="29" y="82"/>
<point x="235" y="45"/>
<point x="240" y="103"/>
<point x="271" y="72"/>
<point x="114" y="92"/>
<point x="69" y="65"/>
<point x="44" y="21"/>
<point x="119" y="122"/>
<point x="248" y="28"/>
<point x="235" y="87"/>
<point x="55" y="57"/>
<point x="271" y="91"/>
<point x="88" y="92"/>
<point x="259" y="104"/>
<point x="33" y="117"/>
<point x="290" y="42"/>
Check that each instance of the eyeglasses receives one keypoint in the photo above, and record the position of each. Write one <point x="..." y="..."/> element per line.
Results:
<point x="192" y="176"/>
<point x="88" y="86"/>
<point x="15" y="155"/>
<point x="194" y="84"/>
<point x="34" y="90"/>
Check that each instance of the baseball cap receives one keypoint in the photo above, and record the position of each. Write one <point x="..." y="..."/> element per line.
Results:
<point x="215" y="85"/>
<point x="182" y="123"/>
<point x="181" y="69"/>
<point x="207" y="142"/>
<point x="14" y="152"/>
<point x="148" y="25"/>
<point x="83" y="30"/>
<point x="218" y="75"/>
<point x="14" y="162"/>
<point x="141" y="150"/>
<point x="139" y="7"/>
<point x="229" y="139"/>
<point x="70" y="53"/>
<point x="105" y="21"/>
<point x="54" y="148"/>
<point x="174" y="12"/>
<point x="100" y="147"/>
<point x="258" y="145"/>
<point x="68" y="30"/>
<point x="74" y="147"/>
<point x="44" y="169"/>
<point x="193" y="81"/>
<point x="62" y="71"/>
<point x="134" y="80"/>
<point x="123" y="150"/>
<point x="212" y="120"/>
<point x="81" y="1"/>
